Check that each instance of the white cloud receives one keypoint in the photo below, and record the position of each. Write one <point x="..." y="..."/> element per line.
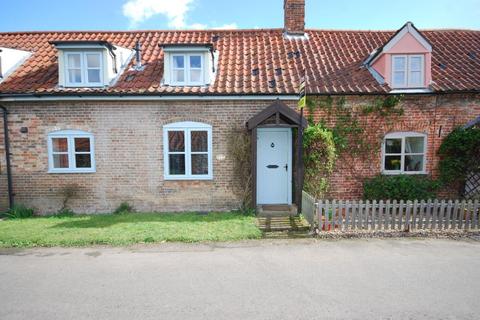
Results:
<point x="138" y="11"/>
<point x="227" y="26"/>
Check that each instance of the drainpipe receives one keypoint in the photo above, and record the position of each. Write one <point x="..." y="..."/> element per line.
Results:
<point x="7" y="156"/>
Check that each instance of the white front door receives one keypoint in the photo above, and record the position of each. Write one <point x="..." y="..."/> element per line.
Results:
<point x="274" y="166"/>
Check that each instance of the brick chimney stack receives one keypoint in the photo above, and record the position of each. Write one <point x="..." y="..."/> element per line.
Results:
<point x="294" y="11"/>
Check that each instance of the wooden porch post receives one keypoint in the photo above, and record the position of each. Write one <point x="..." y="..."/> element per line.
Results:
<point x="254" y="167"/>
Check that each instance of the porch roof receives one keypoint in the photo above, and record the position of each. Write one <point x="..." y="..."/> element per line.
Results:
<point x="278" y="108"/>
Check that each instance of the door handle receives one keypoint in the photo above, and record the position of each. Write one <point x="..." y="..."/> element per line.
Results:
<point x="286" y="167"/>
<point x="272" y="166"/>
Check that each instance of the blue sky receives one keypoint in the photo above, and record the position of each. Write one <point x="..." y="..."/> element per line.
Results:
<point x="21" y="15"/>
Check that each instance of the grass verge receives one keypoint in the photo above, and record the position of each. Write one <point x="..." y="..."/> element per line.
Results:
<point x="126" y="229"/>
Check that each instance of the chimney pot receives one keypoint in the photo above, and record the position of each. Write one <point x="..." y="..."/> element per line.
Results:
<point x="294" y="13"/>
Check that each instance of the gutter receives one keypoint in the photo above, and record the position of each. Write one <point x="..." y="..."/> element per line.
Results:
<point x="60" y="96"/>
<point x="7" y="157"/>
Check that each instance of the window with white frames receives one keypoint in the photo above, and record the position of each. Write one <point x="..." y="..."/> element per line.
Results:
<point x="71" y="151"/>
<point x="408" y="71"/>
<point x="187" y="151"/>
<point x="404" y="152"/>
<point x="187" y="69"/>
<point x="83" y="69"/>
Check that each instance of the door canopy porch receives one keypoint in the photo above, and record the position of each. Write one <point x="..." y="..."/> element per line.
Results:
<point x="278" y="114"/>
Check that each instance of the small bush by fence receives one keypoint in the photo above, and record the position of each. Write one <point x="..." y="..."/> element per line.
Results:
<point x="393" y="215"/>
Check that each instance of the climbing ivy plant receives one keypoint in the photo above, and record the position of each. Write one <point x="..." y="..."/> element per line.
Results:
<point x="459" y="155"/>
<point x="319" y="157"/>
<point x="341" y="128"/>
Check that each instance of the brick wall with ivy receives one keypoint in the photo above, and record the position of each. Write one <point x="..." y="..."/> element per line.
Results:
<point x="364" y="124"/>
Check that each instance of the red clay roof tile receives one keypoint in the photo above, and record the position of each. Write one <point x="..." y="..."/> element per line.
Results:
<point x="332" y="60"/>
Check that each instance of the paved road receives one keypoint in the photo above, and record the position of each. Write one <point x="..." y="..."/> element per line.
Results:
<point x="297" y="279"/>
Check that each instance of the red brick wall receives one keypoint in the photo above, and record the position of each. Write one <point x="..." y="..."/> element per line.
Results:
<point x="3" y="171"/>
<point x="129" y="150"/>
<point x="294" y="16"/>
<point x="434" y="115"/>
<point x="129" y="154"/>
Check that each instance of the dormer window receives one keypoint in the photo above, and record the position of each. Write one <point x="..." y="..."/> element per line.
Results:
<point x="189" y="65"/>
<point x="404" y="62"/>
<point x="84" y="69"/>
<point x="187" y="69"/>
<point x="90" y="63"/>
<point x="408" y="71"/>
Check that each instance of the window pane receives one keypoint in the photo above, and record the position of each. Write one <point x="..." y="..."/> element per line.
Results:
<point x="393" y="163"/>
<point x="176" y="141"/>
<point x="178" y="76"/>
<point x="199" y="164"/>
<point x="176" y="163"/>
<point x="415" y="78"/>
<point x="195" y="75"/>
<point x="415" y="63"/>
<point x="60" y="144"/>
<point x="73" y="60"/>
<point x="195" y="61"/>
<point x="60" y="161"/>
<point x="93" y="60"/>
<point x="398" y="63"/>
<point x="83" y="161"/>
<point x="94" y="75"/>
<point x="413" y="163"/>
<point x="74" y="76"/>
<point x="82" y="144"/>
<point x="393" y="145"/>
<point x="178" y="62"/>
<point x="199" y="141"/>
<point x="398" y="78"/>
<point x="414" y="144"/>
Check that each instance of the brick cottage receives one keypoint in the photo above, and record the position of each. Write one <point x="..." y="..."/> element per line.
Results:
<point x="146" y="116"/>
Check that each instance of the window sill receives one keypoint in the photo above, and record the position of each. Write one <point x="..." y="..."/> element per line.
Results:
<point x="410" y="90"/>
<point x="62" y="171"/>
<point x="393" y="173"/>
<point x="187" y="178"/>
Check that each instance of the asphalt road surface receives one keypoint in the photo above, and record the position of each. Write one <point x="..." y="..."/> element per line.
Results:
<point x="281" y="279"/>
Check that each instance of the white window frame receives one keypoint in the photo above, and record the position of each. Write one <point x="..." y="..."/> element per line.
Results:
<point x="187" y="127"/>
<point x="70" y="135"/>
<point x="402" y="154"/>
<point x="83" y="69"/>
<point x="187" y="75"/>
<point x="407" y="70"/>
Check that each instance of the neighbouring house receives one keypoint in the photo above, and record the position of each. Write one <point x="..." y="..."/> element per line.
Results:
<point x="146" y="116"/>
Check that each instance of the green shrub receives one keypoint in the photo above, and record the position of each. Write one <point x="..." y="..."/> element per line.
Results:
<point x="65" y="212"/>
<point x="320" y="155"/>
<point x="459" y="155"/>
<point x="123" y="208"/>
<point x="19" y="211"/>
<point x="401" y="187"/>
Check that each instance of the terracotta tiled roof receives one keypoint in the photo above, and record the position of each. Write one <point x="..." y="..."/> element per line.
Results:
<point x="333" y="60"/>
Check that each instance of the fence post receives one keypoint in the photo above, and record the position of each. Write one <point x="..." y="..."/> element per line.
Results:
<point x="476" y="214"/>
<point x="434" y="214"/>
<point x="414" y="214"/>
<point x="441" y="215"/>
<point x="407" y="218"/>
<point x="347" y="215"/>
<point x="400" y="215"/>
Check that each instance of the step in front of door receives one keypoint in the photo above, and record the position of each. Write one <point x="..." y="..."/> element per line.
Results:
<point x="282" y="224"/>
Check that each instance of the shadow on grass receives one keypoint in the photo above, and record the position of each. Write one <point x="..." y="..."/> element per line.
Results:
<point x="104" y="221"/>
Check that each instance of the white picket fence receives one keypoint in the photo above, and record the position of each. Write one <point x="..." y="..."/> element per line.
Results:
<point x="396" y="215"/>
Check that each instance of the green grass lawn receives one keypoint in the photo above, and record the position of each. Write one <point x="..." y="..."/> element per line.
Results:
<point x="126" y="229"/>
